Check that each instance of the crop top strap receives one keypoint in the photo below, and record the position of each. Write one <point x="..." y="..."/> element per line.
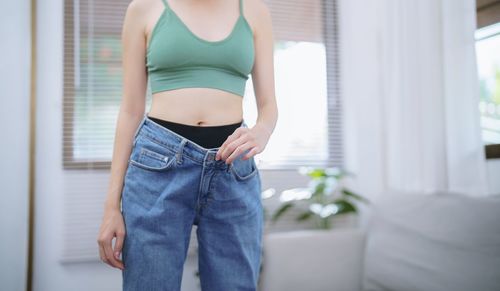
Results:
<point x="241" y="7"/>
<point x="165" y="3"/>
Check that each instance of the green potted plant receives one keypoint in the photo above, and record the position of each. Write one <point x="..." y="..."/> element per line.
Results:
<point x="325" y="195"/>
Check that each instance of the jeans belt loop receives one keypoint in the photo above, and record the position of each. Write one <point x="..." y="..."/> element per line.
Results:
<point x="179" y="151"/>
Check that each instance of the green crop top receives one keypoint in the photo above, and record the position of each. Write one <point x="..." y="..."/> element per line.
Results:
<point x="177" y="58"/>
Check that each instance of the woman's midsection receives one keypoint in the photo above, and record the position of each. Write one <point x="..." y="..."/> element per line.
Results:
<point x="197" y="106"/>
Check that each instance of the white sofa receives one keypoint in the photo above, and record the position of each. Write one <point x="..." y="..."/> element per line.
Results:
<point x="412" y="242"/>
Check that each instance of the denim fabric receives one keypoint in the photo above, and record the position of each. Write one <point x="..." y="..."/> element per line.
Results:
<point x="171" y="184"/>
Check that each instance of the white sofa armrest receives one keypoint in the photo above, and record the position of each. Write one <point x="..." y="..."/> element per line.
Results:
<point x="313" y="260"/>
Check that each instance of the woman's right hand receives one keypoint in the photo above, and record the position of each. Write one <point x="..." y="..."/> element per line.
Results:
<point x="112" y="226"/>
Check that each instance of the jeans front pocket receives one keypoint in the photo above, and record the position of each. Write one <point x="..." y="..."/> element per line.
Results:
<point x="150" y="155"/>
<point x="151" y="160"/>
<point x="243" y="170"/>
<point x="150" y="169"/>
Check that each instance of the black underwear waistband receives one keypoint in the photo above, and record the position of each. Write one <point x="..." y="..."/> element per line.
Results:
<point x="205" y="136"/>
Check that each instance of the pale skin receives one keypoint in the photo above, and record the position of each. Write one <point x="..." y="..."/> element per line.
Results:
<point x="211" y="20"/>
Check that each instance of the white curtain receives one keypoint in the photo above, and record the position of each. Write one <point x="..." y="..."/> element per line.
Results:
<point x="421" y="99"/>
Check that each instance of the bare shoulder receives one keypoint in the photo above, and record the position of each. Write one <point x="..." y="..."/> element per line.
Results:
<point x="258" y="14"/>
<point x="137" y="7"/>
<point x="140" y="18"/>
<point x="138" y="11"/>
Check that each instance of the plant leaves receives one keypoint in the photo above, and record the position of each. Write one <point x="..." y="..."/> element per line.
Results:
<point x="355" y="196"/>
<point x="281" y="210"/>
<point x="304" y="216"/>
<point x="345" y="206"/>
<point x="316" y="173"/>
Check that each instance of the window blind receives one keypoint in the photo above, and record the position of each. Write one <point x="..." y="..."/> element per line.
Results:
<point x="307" y="90"/>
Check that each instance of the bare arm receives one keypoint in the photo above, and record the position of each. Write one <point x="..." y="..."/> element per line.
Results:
<point x="133" y="101"/>
<point x="130" y="114"/>
<point x="256" y="138"/>
<point x="263" y="70"/>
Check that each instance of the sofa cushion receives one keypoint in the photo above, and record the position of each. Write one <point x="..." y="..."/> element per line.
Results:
<point x="433" y="242"/>
<point x="313" y="260"/>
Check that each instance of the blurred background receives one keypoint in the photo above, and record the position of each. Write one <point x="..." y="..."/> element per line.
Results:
<point x="383" y="172"/>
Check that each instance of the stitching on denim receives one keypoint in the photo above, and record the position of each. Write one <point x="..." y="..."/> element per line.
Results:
<point x="211" y="186"/>
<point x="153" y="154"/>
<point x="180" y="151"/>
<point x="149" y="168"/>
<point x="161" y="143"/>
<point x="166" y="147"/>
<point x="246" y="177"/>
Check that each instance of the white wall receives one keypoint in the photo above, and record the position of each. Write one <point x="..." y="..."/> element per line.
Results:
<point x="15" y="48"/>
<point x="50" y="274"/>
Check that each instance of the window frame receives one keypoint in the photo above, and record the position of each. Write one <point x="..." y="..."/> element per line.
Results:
<point x="486" y="16"/>
<point x="69" y="162"/>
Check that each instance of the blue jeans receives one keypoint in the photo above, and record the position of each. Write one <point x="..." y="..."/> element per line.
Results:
<point x="171" y="184"/>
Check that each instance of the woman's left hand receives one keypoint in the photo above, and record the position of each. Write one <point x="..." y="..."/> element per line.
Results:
<point x="243" y="138"/>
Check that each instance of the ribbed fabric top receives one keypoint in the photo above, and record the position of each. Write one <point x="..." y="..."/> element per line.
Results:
<point x="177" y="58"/>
